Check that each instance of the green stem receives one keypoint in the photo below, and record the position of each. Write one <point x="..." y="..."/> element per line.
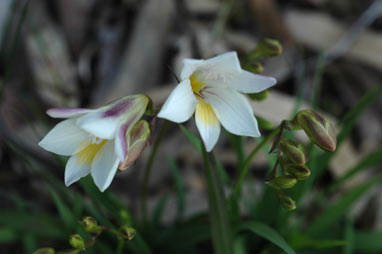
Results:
<point x="149" y="166"/>
<point x="220" y="223"/>
<point x="247" y="163"/>
<point x="121" y="244"/>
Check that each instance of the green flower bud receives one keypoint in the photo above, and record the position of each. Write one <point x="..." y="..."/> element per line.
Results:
<point x="254" y="67"/>
<point x="259" y="96"/>
<point x="44" y="251"/>
<point x="264" y="124"/>
<point x="301" y="172"/>
<point x="76" y="241"/>
<point x="267" y="48"/>
<point x="128" y="232"/>
<point x="294" y="151"/>
<point x="284" y="182"/>
<point x="318" y="129"/>
<point x="286" y="201"/>
<point x="90" y="224"/>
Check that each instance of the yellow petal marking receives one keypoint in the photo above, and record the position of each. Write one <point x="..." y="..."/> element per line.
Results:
<point x="196" y="84"/>
<point x="205" y="113"/>
<point x="86" y="155"/>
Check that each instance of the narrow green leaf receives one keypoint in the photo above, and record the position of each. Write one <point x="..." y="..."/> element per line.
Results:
<point x="29" y="242"/>
<point x="300" y="240"/>
<point x="368" y="242"/>
<point x="226" y="179"/>
<point x="8" y="235"/>
<point x="349" y="236"/>
<point x="39" y="224"/>
<point x="332" y="214"/>
<point x="158" y="210"/>
<point x="372" y="159"/>
<point x="63" y="210"/>
<point x="237" y="145"/>
<point x="220" y="224"/>
<point x="179" y="186"/>
<point x="239" y="245"/>
<point x="266" y="232"/>
<point x="195" y="141"/>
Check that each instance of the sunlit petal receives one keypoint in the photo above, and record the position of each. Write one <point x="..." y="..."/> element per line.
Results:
<point x="75" y="170"/>
<point x="233" y="111"/>
<point x="64" y="138"/>
<point x="189" y="66"/>
<point x="67" y="112"/>
<point x="247" y="82"/>
<point x="227" y="62"/>
<point x="207" y="124"/>
<point x="104" y="166"/>
<point x="180" y="105"/>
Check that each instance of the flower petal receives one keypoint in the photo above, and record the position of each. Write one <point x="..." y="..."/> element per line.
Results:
<point x="120" y="139"/>
<point x="138" y="138"/>
<point x="75" y="170"/>
<point x="208" y="124"/>
<point x="189" y="66"/>
<point x="180" y="105"/>
<point x="233" y="111"/>
<point x="67" y="112"/>
<point x="224" y="63"/>
<point x="105" y="122"/>
<point x="227" y="62"/>
<point x="104" y="166"/>
<point x="65" y="138"/>
<point x="247" y="82"/>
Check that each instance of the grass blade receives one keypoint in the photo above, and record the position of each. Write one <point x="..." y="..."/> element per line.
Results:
<point x="370" y="160"/>
<point x="332" y="214"/>
<point x="369" y="242"/>
<point x="266" y="232"/>
<point x="195" y="141"/>
<point x="220" y="224"/>
<point x="179" y="186"/>
<point x="349" y="236"/>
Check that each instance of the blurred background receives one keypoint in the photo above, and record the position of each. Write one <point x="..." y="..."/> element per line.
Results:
<point x="86" y="53"/>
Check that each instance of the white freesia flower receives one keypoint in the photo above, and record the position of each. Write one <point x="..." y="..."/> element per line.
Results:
<point x="213" y="90"/>
<point x="95" y="139"/>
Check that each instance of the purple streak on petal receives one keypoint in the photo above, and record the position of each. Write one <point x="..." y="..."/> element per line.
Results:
<point x="118" y="109"/>
<point x="66" y="112"/>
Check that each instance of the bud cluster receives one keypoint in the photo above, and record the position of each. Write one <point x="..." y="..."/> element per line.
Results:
<point x="292" y="156"/>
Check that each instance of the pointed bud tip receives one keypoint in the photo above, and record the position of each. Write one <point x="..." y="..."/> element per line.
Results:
<point x="286" y="201"/>
<point x="284" y="182"/>
<point x="294" y="151"/>
<point x="318" y="129"/>
<point x="90" y="224"/>
<point x="128" y="232"/>
<point x="301" y="172"/>
<point x="76" y="241"/>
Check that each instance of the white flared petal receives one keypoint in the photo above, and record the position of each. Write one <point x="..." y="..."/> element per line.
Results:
<point x="65" y="138"/>
<point x="120" y="142"/>
<point x="75" y="170"/>
<point x="105" y="122"/>
<point x="104" y="166"/>
<point x="247" y="82"/>
<point x="227" y="62"/>
<point x="208" y="124"/>
<point x="233" y="111"/>
<point x="180" y="105"/>
<point x="189" y="66"/>
<point x="67" y="112"/>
